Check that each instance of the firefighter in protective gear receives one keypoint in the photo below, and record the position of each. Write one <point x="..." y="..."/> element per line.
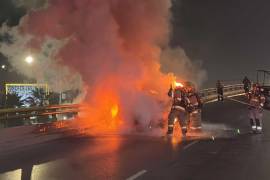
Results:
<point x="186" y="108"/>
<point x="247" y="84"/>
<point x="178" y="109"/>
<point x="194" y="107"/>
<point x="256" y="102"/>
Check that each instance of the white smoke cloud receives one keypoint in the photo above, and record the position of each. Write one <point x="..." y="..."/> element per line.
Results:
<point x="176" y="61"/>
<point x="30" y="4"/>
<point x="45" y="68"/>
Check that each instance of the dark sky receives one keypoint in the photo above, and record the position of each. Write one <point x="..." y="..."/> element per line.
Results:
<point x="11" y="15"/>
<point x="230" y="37"/>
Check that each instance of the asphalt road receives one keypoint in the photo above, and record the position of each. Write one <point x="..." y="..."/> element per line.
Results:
<point x="222" y="154"/>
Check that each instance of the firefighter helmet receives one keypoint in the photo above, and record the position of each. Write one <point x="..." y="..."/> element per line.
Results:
<point x="189" y="86"/>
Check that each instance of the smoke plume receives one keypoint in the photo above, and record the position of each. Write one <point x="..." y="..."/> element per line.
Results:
<point x="117" y="48"/>
<point x="30" y="4"/>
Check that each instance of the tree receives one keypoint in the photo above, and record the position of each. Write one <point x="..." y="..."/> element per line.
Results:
<point x="54" y="98"/>
<point x="13" y="101"/>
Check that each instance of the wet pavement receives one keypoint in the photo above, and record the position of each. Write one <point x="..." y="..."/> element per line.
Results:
<point x="227" y="152"/>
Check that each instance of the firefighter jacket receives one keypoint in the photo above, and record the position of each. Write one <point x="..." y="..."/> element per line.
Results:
<point x="256" y="100"/>
<point x="179" y="97"/>
<point x="194" y="102"/>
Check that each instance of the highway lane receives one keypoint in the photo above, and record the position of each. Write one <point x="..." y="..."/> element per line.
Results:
<point x="243" y="156"/>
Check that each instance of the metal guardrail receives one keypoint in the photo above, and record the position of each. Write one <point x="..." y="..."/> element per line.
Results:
<point x="38" y="109"/>
<point x="228" y="90"/>
<point x="25" y="113"/>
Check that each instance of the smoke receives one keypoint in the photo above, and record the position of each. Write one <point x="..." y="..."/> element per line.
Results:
<point x="45" y="68"/>
<point x="30" y="4"/>
<point x="176" y="61"/>
<point x="118" y="49"/>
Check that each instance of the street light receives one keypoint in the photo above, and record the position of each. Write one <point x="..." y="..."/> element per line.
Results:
<point x="3" y="67"/>
<point x="29" y="59"/>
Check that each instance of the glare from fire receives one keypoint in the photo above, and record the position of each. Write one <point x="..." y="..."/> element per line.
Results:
<point x="178" y="84"/>
<point x="175" y="120"/>
<point x="114" y="111"/>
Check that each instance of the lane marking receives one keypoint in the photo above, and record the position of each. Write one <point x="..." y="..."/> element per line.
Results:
<point x="138" y="174"/>
<point x="212" y="101"/>
<point x="241" y="102"/>
<point x="190" y="144"/>
<point x="215" y="100"/>
<point x="236" y="95"/>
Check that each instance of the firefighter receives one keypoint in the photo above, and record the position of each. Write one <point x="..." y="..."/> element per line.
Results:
<point x="219" y="87"/>
<point x="178" y="110"/>
<point x="186" y="108"/>
<point x="256" y="102"/>
<point x="247" y="84"/>
<point x="194" y="107"/>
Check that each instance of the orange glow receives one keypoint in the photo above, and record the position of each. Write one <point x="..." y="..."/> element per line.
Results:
<point x="114" y="111"/>
<point x="112" y="106"/>
<point x="102" y="114"/>
<point x="178" y="84"/>
<point x="107" y="110"/>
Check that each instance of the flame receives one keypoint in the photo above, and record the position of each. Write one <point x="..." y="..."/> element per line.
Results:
<point x="114" y="111"/>
<point x="102" y="114"/>
<point x="178" y="84"/>
<point x="108" y="110"/>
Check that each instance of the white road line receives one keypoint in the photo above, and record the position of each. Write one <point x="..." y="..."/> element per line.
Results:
<point x="208" y="102"/>
<point x="190" y="144"/>
<point x="236" y="95"/>
<point x="241" y="102"/>
<point x="138" y="174"/>
<point x="215" y="100"/>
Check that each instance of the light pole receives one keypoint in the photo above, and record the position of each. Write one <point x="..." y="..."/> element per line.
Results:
<point x="29" y="61"/>
<point x="3" y="69"/>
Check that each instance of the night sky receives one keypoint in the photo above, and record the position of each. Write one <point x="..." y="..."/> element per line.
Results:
<point x="230" y="37"/>
<point x="9" y="13"/>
